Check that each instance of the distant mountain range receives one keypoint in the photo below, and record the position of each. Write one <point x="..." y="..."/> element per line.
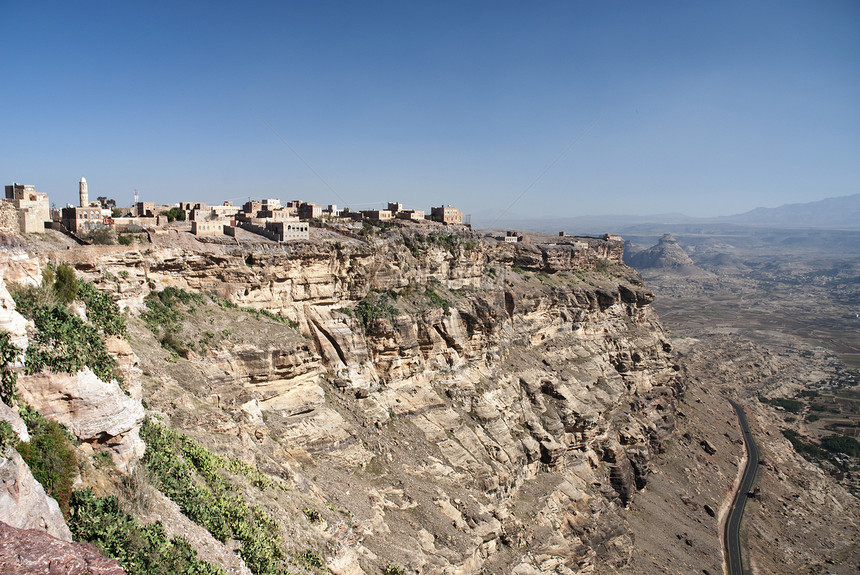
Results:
<point x="831" y="213"/>
<point x="841" y="212"/>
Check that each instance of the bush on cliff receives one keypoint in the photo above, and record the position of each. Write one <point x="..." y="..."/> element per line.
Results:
<point x="141" y="549"/>
<point x="191" y="476"/>
<point x="377" y="305"/>
<point x="63" y="341"/>
<point x="50" y="456"/>
<point x="8" y="353"/>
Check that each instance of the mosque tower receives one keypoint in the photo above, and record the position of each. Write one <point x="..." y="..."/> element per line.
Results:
<point x="85" y="197"/>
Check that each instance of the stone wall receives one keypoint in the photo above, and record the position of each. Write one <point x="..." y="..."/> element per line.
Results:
<point x="8" y="219"/>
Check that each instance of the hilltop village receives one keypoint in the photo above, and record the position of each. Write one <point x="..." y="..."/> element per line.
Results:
<point x="26" y="211"/>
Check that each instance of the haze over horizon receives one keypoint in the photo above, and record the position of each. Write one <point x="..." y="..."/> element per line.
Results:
<point x="562" y="108"/>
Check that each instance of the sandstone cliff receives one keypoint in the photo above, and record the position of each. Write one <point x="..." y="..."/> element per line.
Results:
<point x="448" y="403"/>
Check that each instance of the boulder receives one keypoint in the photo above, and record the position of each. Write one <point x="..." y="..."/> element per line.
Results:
<point x="34" y="552"/>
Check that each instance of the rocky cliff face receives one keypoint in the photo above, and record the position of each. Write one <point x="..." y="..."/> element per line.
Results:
<point x="469" y="405"/>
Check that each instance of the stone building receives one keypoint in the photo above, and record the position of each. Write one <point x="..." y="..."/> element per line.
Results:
<point x="145" y="209"/>
<point x="32" y="207"/>
<point x="207" y="227"/>
<point x="446" y="215"/>
<point x="310" y="211"/>
<point x="288" y="230"/>
<point x="86" y="217"/>
<point x="415" y="215"/>
<point x="378" y="215"/>
<point x="80" y="219"/>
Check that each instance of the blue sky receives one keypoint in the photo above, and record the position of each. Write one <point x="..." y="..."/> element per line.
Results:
<point x="705" y="108"/>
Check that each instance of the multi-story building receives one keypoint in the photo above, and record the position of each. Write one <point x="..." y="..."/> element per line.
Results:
<point x="226" y="210"/>
<point x="309" y="211"/>
<point x="86" y="217"/>
<point x="82" y="219"/>
<point x="446" y="215"/>
<point x="378" y="215"/>
<point x="32" y="206"/>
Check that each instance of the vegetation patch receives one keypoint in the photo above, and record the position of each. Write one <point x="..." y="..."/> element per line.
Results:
<point x="165" y="311"/>
<point x="790" y="405"/>
<point x="63" y="341"/>
<point x="310" y="560"/>
<point x="141" y="549"/>
<point x="841" y="444"/>
<point x="8" y="437"/>
<point x="190" y="475"/>
<point x="50" y="456"/>
<point x="175" y="214"/>
<point x="377" y="305"/>
<point x="9" y="352"/>
<point x="437" y="301"/>
<point x="102" y="311"/>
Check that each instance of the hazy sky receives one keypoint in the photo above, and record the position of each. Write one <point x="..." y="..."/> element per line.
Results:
<point x="706" y="108"/>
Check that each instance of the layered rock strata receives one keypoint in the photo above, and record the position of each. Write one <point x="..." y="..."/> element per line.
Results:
<point x="501" y="404"/>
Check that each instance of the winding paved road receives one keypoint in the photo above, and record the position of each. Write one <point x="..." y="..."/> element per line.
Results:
<point x="733" y="521"/>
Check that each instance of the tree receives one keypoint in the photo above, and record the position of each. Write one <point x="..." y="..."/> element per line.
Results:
<point x="102" y="201"/>
<point x="65" y="284"/>
<point x="175" y="213"/>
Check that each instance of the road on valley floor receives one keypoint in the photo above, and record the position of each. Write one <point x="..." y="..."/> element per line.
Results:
<point x="733" y="521"/>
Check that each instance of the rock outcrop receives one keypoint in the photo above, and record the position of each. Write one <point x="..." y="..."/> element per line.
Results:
<point x="23" y="501"/>
<point x="95" y="411"/>
<point x="666" y="255"/>
<point x="34" y="552"/>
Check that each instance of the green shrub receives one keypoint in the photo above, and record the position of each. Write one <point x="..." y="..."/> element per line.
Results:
<point x="312" y="515"/>
<point x="50" y="456"/>
<point x="165" y="308"/>
<point x="101" y="236"/>
<point x="141" y="549"/>
<point x="393" y="569"/>
<point x="64" y="342"/>
<point x="376" y="305"/>
<point x="8" y="437"/>
<point x="124" y="240"/>
<point x="190" y="475"/>
<point x="841" y="444"/>
<point x="449" y="242"/>
<point x="174" y="214"/>
<point x="8" y="353"/>
<point x="65" y="284"/>
<point x="437" y="301"/>
<point x="790" y="405"/>
<point x="102" y="311"/>
<point x="310" y="560"/>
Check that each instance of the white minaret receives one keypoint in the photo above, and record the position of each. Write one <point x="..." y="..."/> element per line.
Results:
<point x="85" y="197"/>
